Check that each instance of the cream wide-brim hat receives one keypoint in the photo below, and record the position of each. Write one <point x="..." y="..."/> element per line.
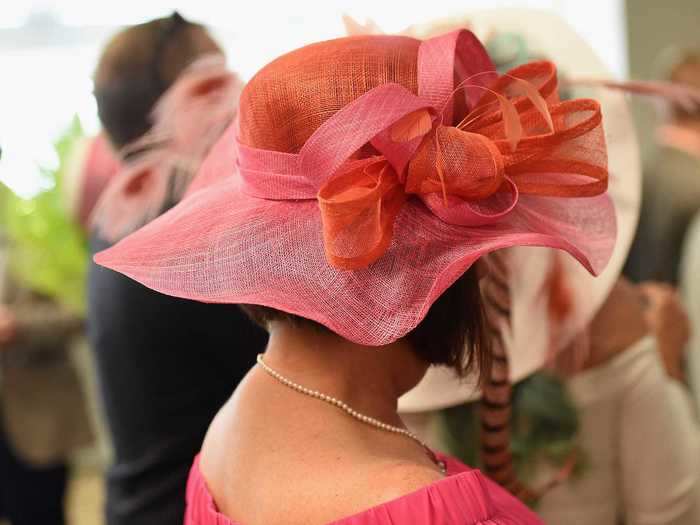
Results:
<point x="528" y="338"/>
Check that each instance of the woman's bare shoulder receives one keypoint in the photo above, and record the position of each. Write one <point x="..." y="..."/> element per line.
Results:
<point x="398" y="479"/>
<point x="315" y="471"/>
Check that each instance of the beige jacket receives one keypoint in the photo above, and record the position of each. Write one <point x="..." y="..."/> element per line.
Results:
<point x="641" y="435"/>
<point x="42" y="405"/>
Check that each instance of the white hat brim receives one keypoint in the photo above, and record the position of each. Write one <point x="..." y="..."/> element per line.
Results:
<point x="528" y="343"/>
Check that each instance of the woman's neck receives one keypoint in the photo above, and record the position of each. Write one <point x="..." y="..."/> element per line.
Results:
<point x="369" y="379"/>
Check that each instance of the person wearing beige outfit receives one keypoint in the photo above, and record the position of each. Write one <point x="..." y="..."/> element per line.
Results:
<point x="637" y="420"/>
<point x="43" y="418"/>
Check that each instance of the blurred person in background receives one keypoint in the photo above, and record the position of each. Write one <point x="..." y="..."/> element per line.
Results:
<point x="631" y="384"/>
<point x="670" y="234"/>
<point x="672" y="182"/>
<point x="43" y="418"/>
<point x="622" y="379"/>
<point x="627" y="383"/>
<point x="164" y="365"/>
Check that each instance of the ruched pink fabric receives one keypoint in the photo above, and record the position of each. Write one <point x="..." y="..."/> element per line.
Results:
<point x="464" y="497"/>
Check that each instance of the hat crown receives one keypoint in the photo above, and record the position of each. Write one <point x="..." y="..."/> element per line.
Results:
<point x="286" y="101"/>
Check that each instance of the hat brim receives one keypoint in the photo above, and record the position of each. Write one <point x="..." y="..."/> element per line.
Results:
<point x="220" y="245"/>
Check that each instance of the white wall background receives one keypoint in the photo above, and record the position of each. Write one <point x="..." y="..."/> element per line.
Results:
<point x="48" y="50"/>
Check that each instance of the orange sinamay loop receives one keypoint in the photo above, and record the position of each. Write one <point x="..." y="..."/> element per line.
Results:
<point x="456" y="163"/>
<point x="439" y="167"/>
<point x="358" y="208"/>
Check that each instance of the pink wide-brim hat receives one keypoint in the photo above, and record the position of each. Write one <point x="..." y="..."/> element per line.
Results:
<point x="258" y="235"/>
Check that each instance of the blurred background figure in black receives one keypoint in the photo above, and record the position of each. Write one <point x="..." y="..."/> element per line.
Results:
<point x="159" y="396"/>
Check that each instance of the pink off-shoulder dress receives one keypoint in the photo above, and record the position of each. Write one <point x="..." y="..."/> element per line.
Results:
<point x="463" y="497"/>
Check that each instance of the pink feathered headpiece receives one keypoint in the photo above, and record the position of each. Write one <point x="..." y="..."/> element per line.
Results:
<point x="160" y="167"/>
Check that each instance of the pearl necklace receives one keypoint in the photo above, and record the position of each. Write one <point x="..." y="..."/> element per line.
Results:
<point x="350" y="411"/>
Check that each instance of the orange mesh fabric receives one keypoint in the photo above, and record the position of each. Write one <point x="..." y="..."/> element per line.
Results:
<point x="468" y="164"/>
<point x="293" y="95"/>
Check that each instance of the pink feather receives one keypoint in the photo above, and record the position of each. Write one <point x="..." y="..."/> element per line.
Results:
<point x="685" y="96"/>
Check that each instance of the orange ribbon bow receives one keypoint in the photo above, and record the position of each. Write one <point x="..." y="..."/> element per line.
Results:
<point x="518" y="139"/>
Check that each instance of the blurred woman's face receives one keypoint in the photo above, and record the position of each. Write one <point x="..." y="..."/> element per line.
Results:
<point x="688" y="74"/>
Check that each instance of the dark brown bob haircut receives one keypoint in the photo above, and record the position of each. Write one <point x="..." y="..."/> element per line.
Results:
<point x="453" y="333"/>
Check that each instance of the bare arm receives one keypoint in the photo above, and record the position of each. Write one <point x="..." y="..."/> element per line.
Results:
<point x="669" y="322"/>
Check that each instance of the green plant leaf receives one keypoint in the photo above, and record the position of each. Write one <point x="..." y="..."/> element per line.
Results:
<point x="48" y="250"/>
